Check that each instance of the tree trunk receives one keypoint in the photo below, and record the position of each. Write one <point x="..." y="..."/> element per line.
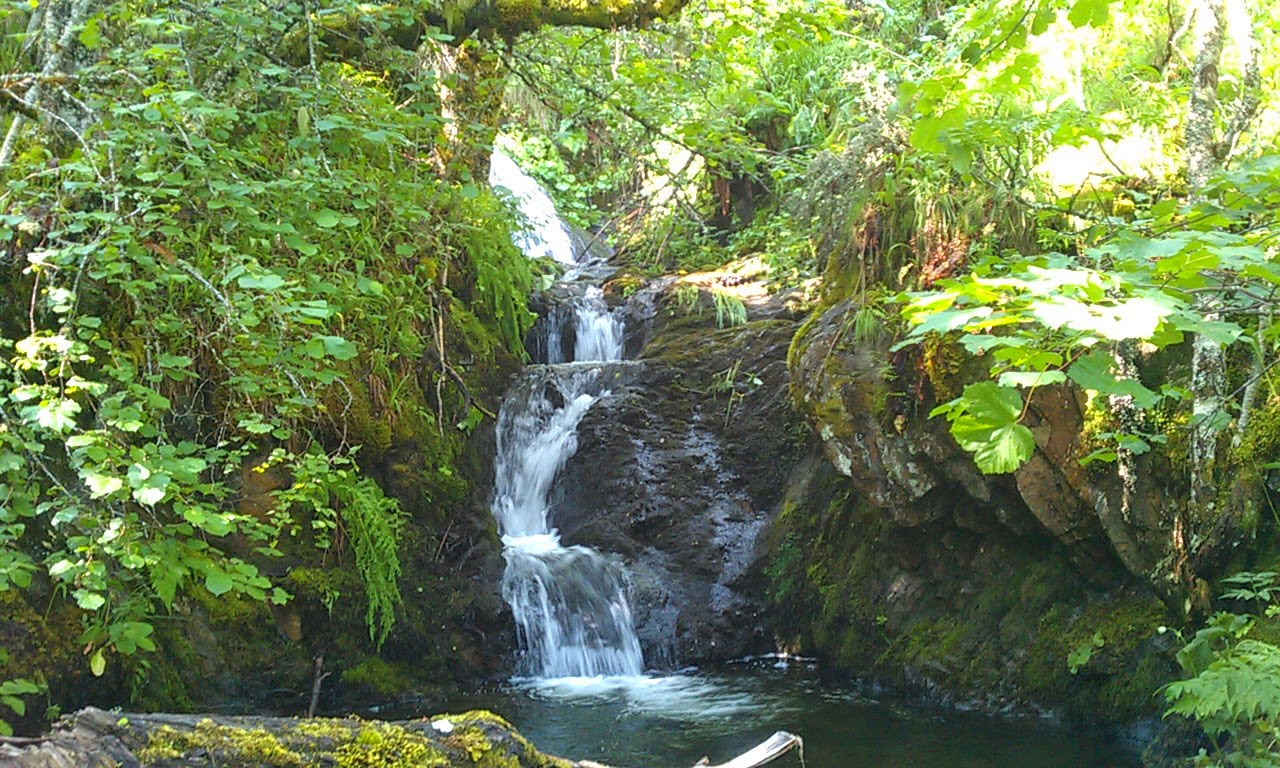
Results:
<point x="1207" y="365"/>
<point x="58" y="53"/>
<point x="1201" y="530"/>
<point x="469" y="89"/>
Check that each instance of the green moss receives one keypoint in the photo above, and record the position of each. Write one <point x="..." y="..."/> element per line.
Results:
<point x="480" y="739"/>
<point x="1243" y="488"/>
<point x="233" y="608"/>
<point x="388" y="746"/>
<point x="996" y="631"/>
<point x="489" y="741"/>
<point x="378" y="676"/>
<point x="39" y="644"/>
<point x="227" y="746"/>
<point x="472" y="741"/>
<point x="1120" y="677"/>
<point x="322" y="584"/>
<point x="1260" y="443"/>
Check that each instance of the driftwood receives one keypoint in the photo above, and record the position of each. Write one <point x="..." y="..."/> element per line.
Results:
<point x="92" y="738"/>
<point x="766" y="751"/>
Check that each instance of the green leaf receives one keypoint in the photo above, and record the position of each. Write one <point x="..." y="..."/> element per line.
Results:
<point x="950" y="320"/>
<point x="218" y="582"/>
<point x="54" y="415"/>
<point x="149" y="495"/>
<point x="1091" y="13"/>
<point x="10" y="462"/>
<point x="326" y="217"/>
<point x="338" y="347"/>
<point x="986" y="425"/>
<point x="102" y="485"/>
<point x="267" y="282"/>
<point x="90" y="36"/>
<point x="1217" y="331"/>
<point x="14" y="703"/>
<point x="1093" y="371"/>
<point x="254" y="425"/>
<point x="89" y="601"/>
<point x="297" y="243"/>
<point x="165" y="583"/>
<point x="1031" y="378"/>
<point x="98" y="663"/>
<point x="369" y="286"/>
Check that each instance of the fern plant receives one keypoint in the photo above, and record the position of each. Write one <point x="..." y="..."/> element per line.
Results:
<point x="373" y="523"/>
<point x="1232" y="687"/>
<point x="330" y="492"/>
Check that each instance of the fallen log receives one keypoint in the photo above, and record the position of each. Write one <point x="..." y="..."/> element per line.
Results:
<point x="92" y="738"/>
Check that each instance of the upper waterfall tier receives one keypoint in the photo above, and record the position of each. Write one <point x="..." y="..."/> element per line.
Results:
<point x="549" y="236"/>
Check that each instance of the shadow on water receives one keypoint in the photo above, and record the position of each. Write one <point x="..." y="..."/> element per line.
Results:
<point x="671" y="721"/>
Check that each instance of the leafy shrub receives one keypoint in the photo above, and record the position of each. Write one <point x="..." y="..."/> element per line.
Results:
<point x="197" y="270"/>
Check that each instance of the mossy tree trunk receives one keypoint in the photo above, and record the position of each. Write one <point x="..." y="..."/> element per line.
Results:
<point x="55" y="26"/>
<point x="469" y="88"/>
<point x="1214" y="23"/>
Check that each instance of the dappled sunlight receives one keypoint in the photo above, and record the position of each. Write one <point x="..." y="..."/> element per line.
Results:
<point x="749" y="279"/>
<point x="1143" y="153"/>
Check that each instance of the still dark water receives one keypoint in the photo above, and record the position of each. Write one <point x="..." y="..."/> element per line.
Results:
<point x="672" y="721"/>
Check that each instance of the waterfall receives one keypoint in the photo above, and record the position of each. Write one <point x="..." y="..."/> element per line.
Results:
<point x="572" y="613"/>
<point x="598" y="333"/>
<point x="548" y="237"/>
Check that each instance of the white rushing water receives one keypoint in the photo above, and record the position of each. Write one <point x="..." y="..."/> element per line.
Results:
<point x="598" y="331"/>
<point x="570" y="604"/>
<point x="548" y="237"/>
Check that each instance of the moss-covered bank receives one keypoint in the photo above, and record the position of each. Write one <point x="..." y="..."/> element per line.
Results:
<point x="893" y="556"/>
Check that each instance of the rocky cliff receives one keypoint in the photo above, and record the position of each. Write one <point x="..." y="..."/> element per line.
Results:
<point x="895" y="556"/>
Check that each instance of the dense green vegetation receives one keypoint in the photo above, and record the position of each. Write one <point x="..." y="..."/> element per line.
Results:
<point x="248" y="257"/>
<point x="225" y="272"/>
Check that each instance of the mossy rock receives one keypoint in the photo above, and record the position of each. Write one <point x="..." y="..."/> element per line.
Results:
<point x="473" y="739"/>
<point x="985" y="618"/>
<point x="41" y="647"/>
<point x="476" y="739"/>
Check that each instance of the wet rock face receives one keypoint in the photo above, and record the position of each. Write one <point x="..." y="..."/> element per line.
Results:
<point x="910" y="467"/>
<point x="679" y="472"/>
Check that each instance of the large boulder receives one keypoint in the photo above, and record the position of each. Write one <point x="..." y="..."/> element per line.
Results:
<point x="895" y="557"/>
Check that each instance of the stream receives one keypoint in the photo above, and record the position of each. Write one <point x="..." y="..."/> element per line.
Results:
<point x="584" y="690"/>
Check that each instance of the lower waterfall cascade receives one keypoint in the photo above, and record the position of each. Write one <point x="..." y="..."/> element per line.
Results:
<point x="570" y="604"/>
